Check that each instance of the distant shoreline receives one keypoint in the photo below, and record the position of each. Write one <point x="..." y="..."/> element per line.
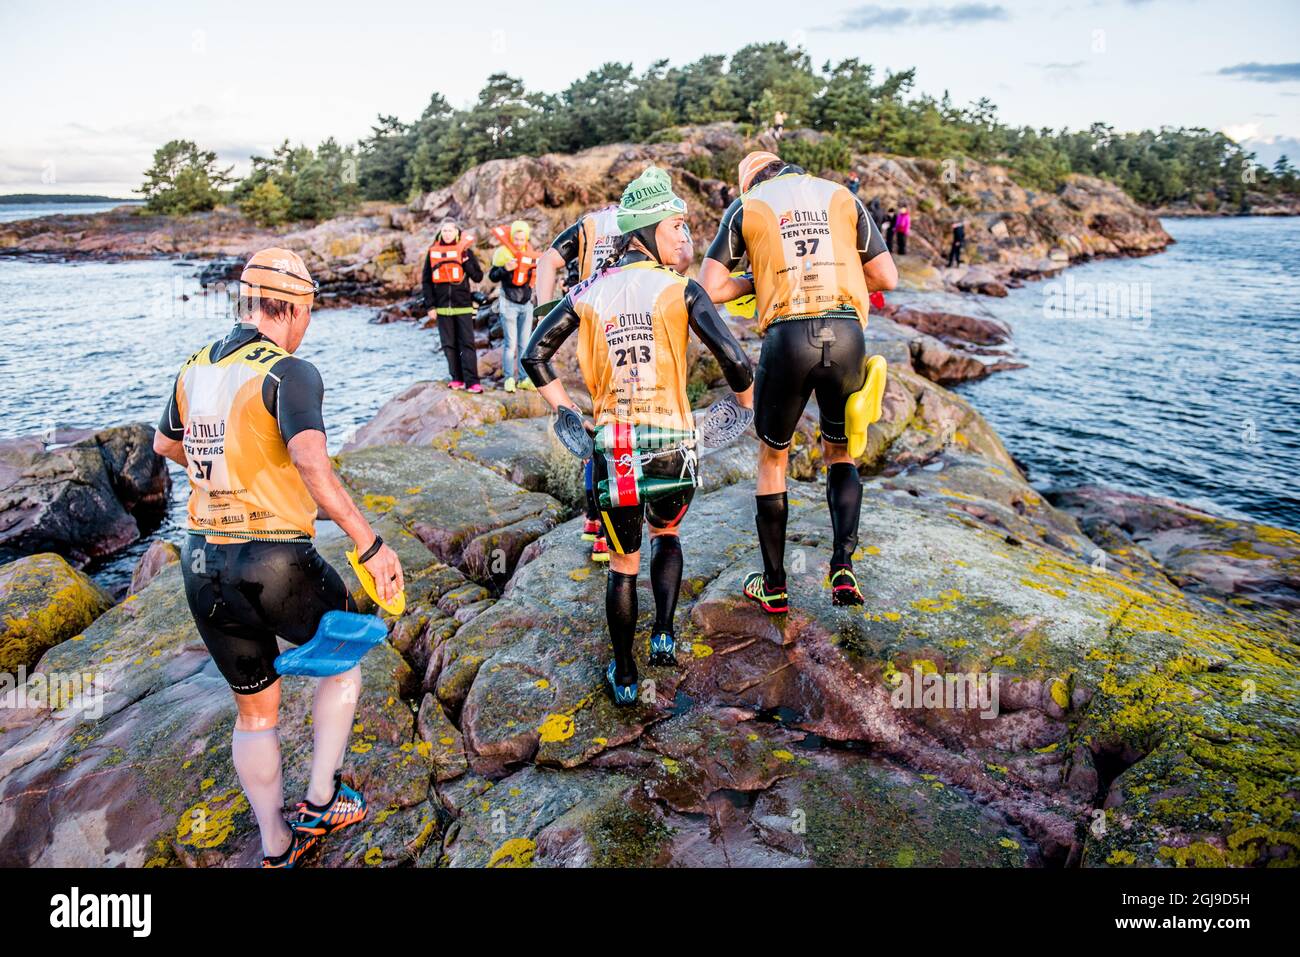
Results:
<point x="33" y="199"/>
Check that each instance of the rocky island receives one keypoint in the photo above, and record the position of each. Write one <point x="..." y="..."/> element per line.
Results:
<point x="1102" y="679"/>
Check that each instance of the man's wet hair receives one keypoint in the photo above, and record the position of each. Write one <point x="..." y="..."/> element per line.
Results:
<point x="246" y="307"/>
<point x="774" y="169"/>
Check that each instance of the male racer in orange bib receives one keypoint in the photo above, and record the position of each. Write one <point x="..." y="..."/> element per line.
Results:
<point x="633" y="321"/>
<point x="816" y="257"/>
<point x="244" y="421"/>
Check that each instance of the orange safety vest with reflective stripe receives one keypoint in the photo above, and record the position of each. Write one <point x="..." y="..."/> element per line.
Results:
<point x="447" y="260"/>
<point x="525" y="256"/>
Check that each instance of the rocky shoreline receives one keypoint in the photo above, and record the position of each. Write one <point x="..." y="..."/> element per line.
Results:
<point x="1143" y="655"/>
<point x="372" y="255"/>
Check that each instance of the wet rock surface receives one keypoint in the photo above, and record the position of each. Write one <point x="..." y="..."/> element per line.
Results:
<point x="1007" y="696"/>
<point x="1241" y="562"/>
<point x="80" y="493"/>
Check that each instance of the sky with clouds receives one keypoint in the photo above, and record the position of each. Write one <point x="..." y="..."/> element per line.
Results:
<point x="93" y="89"/>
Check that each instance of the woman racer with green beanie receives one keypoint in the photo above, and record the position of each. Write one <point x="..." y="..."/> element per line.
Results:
<point x="632" y="322"/>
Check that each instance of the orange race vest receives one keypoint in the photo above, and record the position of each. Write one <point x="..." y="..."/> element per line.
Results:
<point x="597" y="233"/>
<point x="526" y="257"/>
<point x="802" y="239"/>
<point x="447" y="261"/>
<point x="242" y="484"/>
<point x="632" y="346"/>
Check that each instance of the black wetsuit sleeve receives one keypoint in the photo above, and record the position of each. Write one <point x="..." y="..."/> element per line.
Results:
<point x="870" y="243"/>
<point x="472" y="267"/>
<point x="728" y="247"/>
<point x="170" y="424"/>
<point x="559" y="324"/>
<point x="426" y="282"/>
<point x="713" y="332"/>
<point x="566" y="244"/>
<point x="293" y="393"/>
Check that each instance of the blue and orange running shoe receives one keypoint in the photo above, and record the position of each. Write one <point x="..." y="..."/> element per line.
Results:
<point x="346" y="807"/>
<point x="624" y="694"/>
<point x="772" y="601"/>
<point x="300" y="844"/>
<point x="844" y="587"/>
<point x="663" y="649"/>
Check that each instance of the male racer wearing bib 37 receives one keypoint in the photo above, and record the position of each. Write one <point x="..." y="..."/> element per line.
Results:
<point x="589" y="243"/>
<point x="244" y="421"/>
<point x="816" y="257"/>
<point x="633" y="321"/>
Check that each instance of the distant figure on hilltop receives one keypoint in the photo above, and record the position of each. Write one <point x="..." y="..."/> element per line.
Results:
<point x="854" y="184"/>
<point x="891" y="221"/>
<point x="958" y="240"/>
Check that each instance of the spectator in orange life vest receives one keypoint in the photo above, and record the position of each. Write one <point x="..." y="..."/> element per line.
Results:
<point x="514" y="265"/>
<point x="449" y="267"/>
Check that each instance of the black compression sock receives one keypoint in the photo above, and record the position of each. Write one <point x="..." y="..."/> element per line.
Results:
<point x="665" y="578"/>
<point x="620" y="610"/>
<point x="770" y="516"/>
<point x="844" y="497"/>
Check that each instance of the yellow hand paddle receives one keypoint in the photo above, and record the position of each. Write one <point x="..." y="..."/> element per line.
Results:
<point x="395" y="605"/>
<point x="863" y="406"/>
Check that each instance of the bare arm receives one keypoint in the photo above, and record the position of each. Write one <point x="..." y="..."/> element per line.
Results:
<point x="308" y="455"/>
<point x="170" y="448"/>
<point x="720" y="284"/>
<point x="881" y="273"/>
<point x="548" y="274"/>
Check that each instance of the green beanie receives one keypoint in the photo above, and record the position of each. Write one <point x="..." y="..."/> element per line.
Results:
<point x="647" y="200"/>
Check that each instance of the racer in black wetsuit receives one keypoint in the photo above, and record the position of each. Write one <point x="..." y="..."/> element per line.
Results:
<point x="633" y="322"/>
<point x="816" y="255"/>
<point x="244" y="420"/>
<point x="581" y="248"/>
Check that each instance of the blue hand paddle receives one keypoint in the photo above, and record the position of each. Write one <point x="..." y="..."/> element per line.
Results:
<point x="341" y="641"/>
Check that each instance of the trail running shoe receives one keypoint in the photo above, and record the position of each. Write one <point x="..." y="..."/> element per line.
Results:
<point x="345" y="808"/>
<point x="624" y="695"/>
<point x="663" y="649"/>
<point x="475" y="388"/>
<point x="300" y="843"/>
<point x="844" y="587"/>
<point x="771" y="601"/>
<point x="600" y="549"/>
<point x="509" y="385"/>
<point x="590" y="529"/>
<point x="527" y="384"/>
<point x="455" y="384"/>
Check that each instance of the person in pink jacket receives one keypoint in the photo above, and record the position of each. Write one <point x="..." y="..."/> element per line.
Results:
<point x="902" y="226"/>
